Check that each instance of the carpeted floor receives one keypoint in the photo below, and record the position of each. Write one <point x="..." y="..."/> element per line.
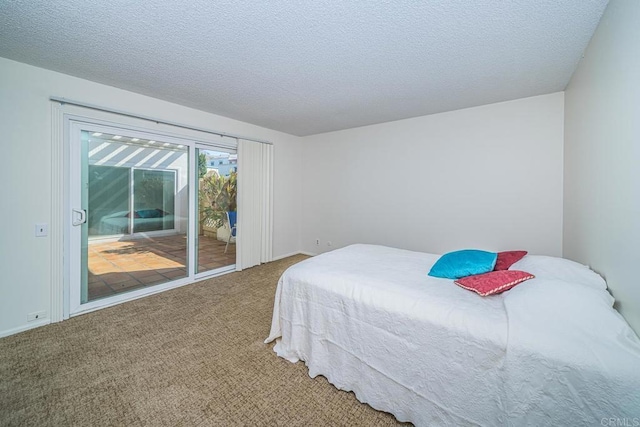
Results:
<point x="193" y="356"/>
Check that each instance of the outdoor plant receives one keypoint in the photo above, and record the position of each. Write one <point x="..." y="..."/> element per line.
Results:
<point x="217" y="195"/>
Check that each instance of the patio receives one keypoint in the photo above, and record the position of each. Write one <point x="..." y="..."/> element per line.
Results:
<point x="122" y="266"/>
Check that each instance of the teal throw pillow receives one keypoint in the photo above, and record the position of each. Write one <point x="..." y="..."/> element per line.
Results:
<point x="467" y="262"/>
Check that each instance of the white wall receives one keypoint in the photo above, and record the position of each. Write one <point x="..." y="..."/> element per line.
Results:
<point x="488" y="177"/>
<point x="25" y="122"/>
<point x="602" y="157"/>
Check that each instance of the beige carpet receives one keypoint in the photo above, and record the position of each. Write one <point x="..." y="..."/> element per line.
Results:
<point x="193" y="356"/>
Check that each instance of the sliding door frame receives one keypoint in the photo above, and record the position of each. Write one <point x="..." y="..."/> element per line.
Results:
<point x="73" y="124"/>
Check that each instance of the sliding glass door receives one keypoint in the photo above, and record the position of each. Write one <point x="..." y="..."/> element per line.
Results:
<point x="216" y="214"/>
<point x="135" y="224"/>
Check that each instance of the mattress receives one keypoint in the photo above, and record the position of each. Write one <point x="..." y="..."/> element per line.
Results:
<point x="371" y="321"/>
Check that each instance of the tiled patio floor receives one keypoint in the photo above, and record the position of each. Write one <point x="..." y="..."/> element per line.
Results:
<point x="122" y="266"/>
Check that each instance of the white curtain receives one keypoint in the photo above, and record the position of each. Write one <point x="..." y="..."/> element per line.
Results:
<point x="255" y="204"/>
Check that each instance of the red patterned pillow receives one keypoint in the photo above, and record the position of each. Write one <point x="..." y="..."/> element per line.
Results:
<point x="494" y="282"/>
<point x="507" y="259"/>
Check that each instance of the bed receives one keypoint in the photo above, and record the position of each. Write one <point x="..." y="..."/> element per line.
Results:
<point x="551" y="350"/>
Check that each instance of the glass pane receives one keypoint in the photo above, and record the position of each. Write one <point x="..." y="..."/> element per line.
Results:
<point x="154" y="200"/>
<point x="135" y="192"/>
<point x="216" y="216"/>
<point x="108" y="198"/>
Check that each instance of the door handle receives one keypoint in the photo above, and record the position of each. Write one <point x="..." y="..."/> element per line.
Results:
<point x="79" y="216"/>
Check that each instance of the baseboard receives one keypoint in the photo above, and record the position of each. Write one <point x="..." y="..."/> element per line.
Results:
<point x="279" y="257"/>
<point x="292" y="254"/>
<point x="30" y="325"/>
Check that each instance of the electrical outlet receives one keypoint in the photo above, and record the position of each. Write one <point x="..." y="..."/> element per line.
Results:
<point x="36" y="315"/>
<point x="317" y="242"/>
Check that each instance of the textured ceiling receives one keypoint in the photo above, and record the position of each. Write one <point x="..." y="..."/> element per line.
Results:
<point x="306" y="67"/>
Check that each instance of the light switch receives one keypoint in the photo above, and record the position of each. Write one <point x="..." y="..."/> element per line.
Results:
<point x="42" y="230"/>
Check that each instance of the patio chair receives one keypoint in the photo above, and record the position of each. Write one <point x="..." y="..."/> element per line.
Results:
<point x="231" y="220"/>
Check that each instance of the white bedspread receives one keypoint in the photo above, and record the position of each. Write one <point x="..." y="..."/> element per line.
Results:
<point x="370" y="320"/>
